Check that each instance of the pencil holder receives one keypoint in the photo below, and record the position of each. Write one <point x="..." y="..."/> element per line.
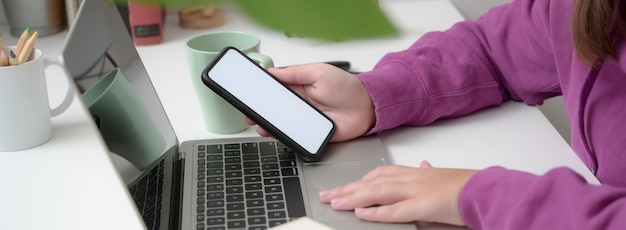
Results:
<point x="25" y="117"/>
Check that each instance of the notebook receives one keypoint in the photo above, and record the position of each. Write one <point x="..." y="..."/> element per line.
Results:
<point x="234" y="183"/>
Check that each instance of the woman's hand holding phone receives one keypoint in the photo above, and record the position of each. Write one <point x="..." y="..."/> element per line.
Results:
<point x="337" y="93"/>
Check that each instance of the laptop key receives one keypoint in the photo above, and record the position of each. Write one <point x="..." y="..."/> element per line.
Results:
<point x="255" y="203"/>
<point x="215" y="212"/>
<point x="214" y="157"/>
<point x="237" y="224"/>
<point x="270" y="167"/>
<point x="291" y="163"/>
<point x="232" y="146"/>
<point x="274" y="197"/>
<point x="251" y="179"/>
<point x="215" y="221"/>
<point x="234" y="198"/>
<point x="252" y="171"/>
<point x="232" y="160"/>
<point x="236" y="215"/>
<point x="255" y="186"/>
<point x="214" y="195"/>
<point x="254" y="195"/>
<point x="216" y="228"/>
<point x="276" y="214"/>
<point x="213" y="149"/>
<point x="287" y="156"/>
<point x="272" y="173"/>
<point x="231" y="182"/>
<point x="267" y="148"/>
<point x="200" y="209"/>
<point x="269" y="159"/>
<point x="234" y="190"/>
<point x="235" y="206"/>
<point x="250" y="157"/>
<point x="256" y="220"/>
<point x="249" y="148"/>
<point x="215" y="203"/>
<point x="274" y="223"/>
<point x="293" y="197"/>
<point x="272" y="181"/>
<point x="275" y="205"/>
<point x="215" y="179"/>
<point x="289" y="171"/>
<point x="233" y="167"/>
<point x="216" y="171"/>
<point x="215" y="187"/>
<point x="251" y="164"/>
<point x="214" y="165"/>
<point x="256" y="211"/>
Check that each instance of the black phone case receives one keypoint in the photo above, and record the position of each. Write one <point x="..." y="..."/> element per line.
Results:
<point x="273" y="130"/>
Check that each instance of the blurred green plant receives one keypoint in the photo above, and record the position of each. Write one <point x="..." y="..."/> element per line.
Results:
<point x="322" y="19"/>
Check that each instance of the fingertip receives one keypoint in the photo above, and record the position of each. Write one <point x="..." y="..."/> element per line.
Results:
<point x="364" y="214"/>
<point x="337" y="203"/>
<point x="250" y="121"/>
<point x="325" y="196"/>
<point x="262" y="132"/>
<point x="425" y="164"/>
<point x="273" y="70"/>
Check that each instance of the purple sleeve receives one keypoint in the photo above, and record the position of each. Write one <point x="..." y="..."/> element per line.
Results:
<point x="505" y="55"/>
<point x="516" y="51"/>
<point x="497" y="198"/>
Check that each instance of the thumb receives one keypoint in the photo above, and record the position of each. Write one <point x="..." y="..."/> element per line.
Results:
<point x="296" y="75"/>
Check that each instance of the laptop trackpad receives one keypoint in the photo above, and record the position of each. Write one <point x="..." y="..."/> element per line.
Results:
<point x="327" y="175"/>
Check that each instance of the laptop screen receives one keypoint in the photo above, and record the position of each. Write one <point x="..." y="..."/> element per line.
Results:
<point x="126" y="107"/>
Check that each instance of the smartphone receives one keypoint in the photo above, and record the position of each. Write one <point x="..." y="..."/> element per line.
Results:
<point x="269" y="102"/>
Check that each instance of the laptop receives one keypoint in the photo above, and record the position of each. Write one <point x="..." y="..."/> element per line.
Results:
<point x="233" y="183"/>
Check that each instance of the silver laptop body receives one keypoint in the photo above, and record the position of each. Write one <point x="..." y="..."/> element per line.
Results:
<point x="99" y="41"/>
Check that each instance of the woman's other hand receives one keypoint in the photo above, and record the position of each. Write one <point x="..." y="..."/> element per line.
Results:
<point x="399" y="194"/>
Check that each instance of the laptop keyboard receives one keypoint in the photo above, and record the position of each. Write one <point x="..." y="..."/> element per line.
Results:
<point x="250" y="186"/>
<point x="147" y="195"/>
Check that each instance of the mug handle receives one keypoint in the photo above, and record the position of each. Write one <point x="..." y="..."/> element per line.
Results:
<point x="265" y="61"/>
<point x="69" y="95"/>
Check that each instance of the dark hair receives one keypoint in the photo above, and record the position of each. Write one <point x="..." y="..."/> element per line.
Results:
<point x="597" y="26"/>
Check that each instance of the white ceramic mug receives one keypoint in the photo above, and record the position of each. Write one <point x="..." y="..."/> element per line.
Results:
<point x="25" y="113"/>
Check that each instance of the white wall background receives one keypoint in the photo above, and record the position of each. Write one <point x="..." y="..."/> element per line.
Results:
<point x="552" y="108"/>
<point x="472" y="9"/>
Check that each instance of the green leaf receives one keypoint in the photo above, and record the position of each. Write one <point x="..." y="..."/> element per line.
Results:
<point x="323" y="19"/>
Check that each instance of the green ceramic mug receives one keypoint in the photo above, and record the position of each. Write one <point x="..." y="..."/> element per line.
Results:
<point x="219" y="116"/>
<point x="124" y="121"/>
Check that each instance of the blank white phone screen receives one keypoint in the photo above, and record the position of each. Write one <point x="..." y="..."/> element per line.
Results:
<point x="271" y="100"/>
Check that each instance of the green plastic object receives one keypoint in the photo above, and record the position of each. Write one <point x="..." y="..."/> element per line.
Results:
<point x="334" y="20"/>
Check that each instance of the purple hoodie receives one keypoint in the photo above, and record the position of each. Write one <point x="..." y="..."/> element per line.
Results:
<point x="520" y="51"/>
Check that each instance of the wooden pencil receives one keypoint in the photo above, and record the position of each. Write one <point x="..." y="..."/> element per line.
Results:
<point x="4" y="59"/>
<point x="22" y="40"/>
<point x="28" y="48"/>
<point x="13" y="58"/>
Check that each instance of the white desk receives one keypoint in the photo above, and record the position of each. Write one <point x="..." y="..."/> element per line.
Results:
<point x="71" y="183"/>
